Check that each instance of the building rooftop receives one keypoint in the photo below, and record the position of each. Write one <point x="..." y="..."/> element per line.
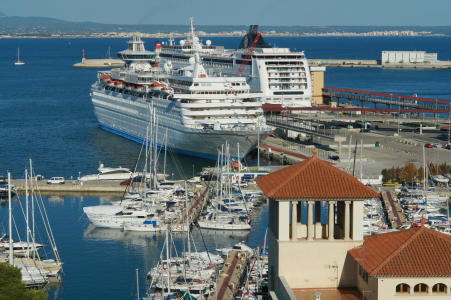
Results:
<point x="313" y="179"/>
<point x="415" y="252"/>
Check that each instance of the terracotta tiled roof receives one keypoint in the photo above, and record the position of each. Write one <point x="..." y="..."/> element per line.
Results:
<point x="313" y="179"/>
<point x="415" y="252"/>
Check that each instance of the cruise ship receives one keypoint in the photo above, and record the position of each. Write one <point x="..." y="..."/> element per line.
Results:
<point x="281" y="75"/>
<point x="194" y="110"/>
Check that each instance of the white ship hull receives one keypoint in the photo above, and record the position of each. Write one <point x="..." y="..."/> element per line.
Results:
<point x="128" y="116"/>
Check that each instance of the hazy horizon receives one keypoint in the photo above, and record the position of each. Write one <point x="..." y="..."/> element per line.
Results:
<point x="245" y="12"/>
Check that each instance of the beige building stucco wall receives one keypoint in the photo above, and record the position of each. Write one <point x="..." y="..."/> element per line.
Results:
<point x="317" y="264"/>
<point x="385" y="287"/>
<point x="317" y="87"/>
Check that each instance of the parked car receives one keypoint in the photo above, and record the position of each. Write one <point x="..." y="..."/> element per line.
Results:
<point x="334" y="157"/>
<point x="428" y="146"/>
<point x="240" y="184"/>
<point x="56" y="180"/>
<point x="447" y="147"/>
<point x="437" y="145"/>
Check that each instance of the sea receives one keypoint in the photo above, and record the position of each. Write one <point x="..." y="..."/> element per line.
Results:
<point x="46" y="115"/>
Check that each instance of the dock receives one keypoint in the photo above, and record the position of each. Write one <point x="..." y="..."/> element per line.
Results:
<point x="195" y="207"/>
<point x="231" y="275"/>
<point x="393" y="210"/>
<point x="72" y="187"/>
<point x="100" y="63"/>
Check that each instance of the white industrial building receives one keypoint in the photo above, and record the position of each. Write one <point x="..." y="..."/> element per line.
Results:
<point x="412" y="58"/>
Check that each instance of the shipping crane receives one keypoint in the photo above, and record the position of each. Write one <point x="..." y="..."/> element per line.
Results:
<point x="248" y="56"/>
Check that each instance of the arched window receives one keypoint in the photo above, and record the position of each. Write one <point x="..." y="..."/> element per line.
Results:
<point x="420" y="288"/>
<point x="439" y="288"/>
<point x="402" y="288"/>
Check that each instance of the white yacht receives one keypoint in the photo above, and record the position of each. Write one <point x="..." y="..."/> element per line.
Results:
<point x="111" y="174"/>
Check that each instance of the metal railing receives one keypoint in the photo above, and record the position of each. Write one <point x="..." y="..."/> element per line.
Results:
<point x="307" y="127"/>
<point x="405" y="103"/>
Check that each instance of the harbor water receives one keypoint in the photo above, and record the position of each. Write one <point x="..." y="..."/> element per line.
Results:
<point x="47" y="115"/>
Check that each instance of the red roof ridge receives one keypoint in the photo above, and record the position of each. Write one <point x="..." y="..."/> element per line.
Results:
<point x="403" y="245"/>
<point x="303" y="165"/>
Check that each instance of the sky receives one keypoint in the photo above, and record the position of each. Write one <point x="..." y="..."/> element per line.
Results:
<point x="239" y="12"/>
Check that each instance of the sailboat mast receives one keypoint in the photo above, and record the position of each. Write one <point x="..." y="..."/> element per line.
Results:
<point x="32" y="208"/>
<point x="137" y="283"/>
<point x="165" y="150"/>
<point x="26" y="204"/>
<point x="145" y="164"/>
<point x="187" y="224"/>
<point x="222" y="168"/>
<point x="155" y="153"/>
<point x="11" y="248"/>
<point x="168" y="262"/>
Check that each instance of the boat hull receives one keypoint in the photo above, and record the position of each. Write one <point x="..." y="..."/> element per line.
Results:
<point x="128" y="116"/>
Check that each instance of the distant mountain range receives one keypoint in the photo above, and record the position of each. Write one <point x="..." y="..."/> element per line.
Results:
<point x="48" y="26"/>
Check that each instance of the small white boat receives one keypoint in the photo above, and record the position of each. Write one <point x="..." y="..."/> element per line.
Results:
<point x="111" y="174"/>
<point x="440" y="178"/>
<point x="149" y="225"/>
<point x="18" y="247"/>
<point x="138" y="88"/>
<point x="18" y="61"/>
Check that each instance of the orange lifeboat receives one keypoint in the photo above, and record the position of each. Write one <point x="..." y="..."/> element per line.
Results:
<point x="156" y="86"/>
<point x="104" y="78"/>
<point x="235" y="165"/>
<point x="119" y="84"/>
<point x="111" y="83"/>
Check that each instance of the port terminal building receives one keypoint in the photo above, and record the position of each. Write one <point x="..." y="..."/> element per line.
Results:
<point x="412" y="58"/>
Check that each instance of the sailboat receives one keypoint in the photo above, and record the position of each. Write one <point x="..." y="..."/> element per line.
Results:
<point x="18" y="62"/>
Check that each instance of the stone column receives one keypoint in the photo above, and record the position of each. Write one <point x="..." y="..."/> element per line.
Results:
<point x="347" y="221"/>
<point x="310" y="221"/>
<point x="294" y="220"/>
<point x="331" y="220"/>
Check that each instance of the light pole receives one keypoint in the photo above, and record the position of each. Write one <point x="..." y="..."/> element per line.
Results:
<point x="193" y="172"/>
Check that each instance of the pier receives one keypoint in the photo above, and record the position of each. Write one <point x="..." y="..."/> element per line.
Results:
<point x="100" y="63"/>
<point x="195" y="207"/>
<point x="231" y="275"/>
<point x="393" y="210"/>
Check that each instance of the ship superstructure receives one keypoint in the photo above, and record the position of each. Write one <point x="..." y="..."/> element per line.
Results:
<point x="197" y="111"/>
<point x="282" y="76"/>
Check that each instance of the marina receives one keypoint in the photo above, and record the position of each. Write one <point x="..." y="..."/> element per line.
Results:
<point x="141" y="249"/>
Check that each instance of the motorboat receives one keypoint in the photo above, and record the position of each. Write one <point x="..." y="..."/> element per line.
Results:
<point x="18" y="247"/>
<point x="116" y="220"/>
<point x="149" y="225"/>
<point x="111" y="174"/>
<point x="440" y="178"/>
<point x="238" y="247"/>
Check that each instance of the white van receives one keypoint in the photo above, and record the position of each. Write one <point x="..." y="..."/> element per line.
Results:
<point x="56" y="180"/>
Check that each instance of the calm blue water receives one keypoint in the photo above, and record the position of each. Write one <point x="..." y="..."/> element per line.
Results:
<point x="46" y="114"/>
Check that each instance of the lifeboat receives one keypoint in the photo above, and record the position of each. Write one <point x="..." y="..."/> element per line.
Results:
<point x="104" y="78"/>
<point x="156" y="86"/>
<point x="111" y="83"/>
<point x="235" y="165"/>
<point x="138" y="88"/>
<point x="166" y="90"/>
<point x="119" y="84"/>
<point x="129" y="87"/>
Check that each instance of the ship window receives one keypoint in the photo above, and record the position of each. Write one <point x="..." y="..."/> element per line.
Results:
<point x="196" y="84"/>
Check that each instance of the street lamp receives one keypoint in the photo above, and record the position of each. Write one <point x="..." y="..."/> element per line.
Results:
<point x="399" y="112"/>
<point x="193" y="172"/>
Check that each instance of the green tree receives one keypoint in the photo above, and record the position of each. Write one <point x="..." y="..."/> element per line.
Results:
<point x="12" y="287"/>
<point x="385" y="175"/>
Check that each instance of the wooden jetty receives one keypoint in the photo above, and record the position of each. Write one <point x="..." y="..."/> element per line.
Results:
<point x="231" y="275"/>
<point x="393" y="210"/>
